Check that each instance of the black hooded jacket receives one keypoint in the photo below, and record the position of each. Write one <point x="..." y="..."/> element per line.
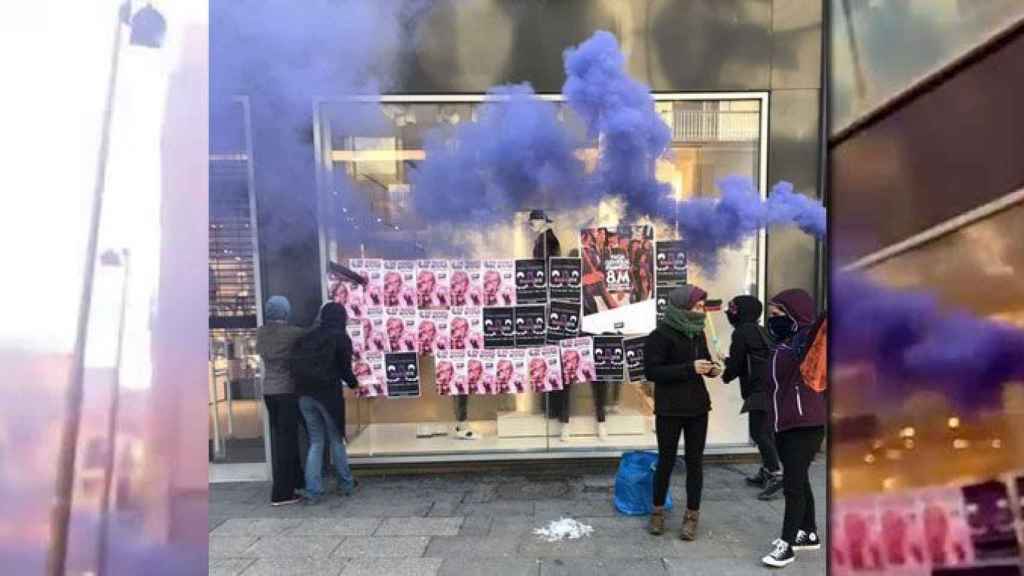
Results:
<point x="333" y="320"/>
<point x="750" y="348"/>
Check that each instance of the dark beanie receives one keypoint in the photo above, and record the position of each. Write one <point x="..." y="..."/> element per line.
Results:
<point x="686" y="296"/>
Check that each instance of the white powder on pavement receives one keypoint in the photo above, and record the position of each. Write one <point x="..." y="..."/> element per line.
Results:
<point x="563" y="528"/>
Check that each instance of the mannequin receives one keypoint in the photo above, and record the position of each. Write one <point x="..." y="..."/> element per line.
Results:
<point x="545" y="247"/>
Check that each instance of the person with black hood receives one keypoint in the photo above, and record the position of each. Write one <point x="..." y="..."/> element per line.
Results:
<point x="321" y="362"/>
<point x="748" y="354"/>
<point x="677" y="359"/>
<point x="798" y="415"/>
<point x="274" y="343"/>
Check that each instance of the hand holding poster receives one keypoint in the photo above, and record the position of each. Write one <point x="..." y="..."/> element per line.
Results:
<point x="544" y="368"/>
<point x="499" y="283"/>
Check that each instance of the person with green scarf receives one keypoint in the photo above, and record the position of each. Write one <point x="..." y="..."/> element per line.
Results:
<point x="677" y="359"/>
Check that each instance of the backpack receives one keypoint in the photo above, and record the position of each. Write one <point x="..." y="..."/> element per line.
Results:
<point x="814" y="367"/>
<point x="313" y="364"/>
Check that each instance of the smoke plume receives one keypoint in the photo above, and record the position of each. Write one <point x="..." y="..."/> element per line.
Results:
<point x="708" y="225"/>
<point x="914" y="343"/>
<point x="619" y="112"/>
<point x="516" y="156"/>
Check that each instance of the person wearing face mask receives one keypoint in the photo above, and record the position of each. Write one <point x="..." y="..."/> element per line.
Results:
<point x="748" y="354"/>
<point x="798" y="414"/>
<point x="677" y="360"/>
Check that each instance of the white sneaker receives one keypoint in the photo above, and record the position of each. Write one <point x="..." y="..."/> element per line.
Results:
<point x="565" y="432"/>
<point x="602" y="431"/>
<point x="781" y="555"/>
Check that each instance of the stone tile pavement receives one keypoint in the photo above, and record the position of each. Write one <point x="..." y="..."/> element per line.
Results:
<point x="482" y="523"/>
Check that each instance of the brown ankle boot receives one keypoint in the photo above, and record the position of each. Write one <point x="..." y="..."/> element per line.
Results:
<point x="689" y="530"/>
<point x="657" y="524"/>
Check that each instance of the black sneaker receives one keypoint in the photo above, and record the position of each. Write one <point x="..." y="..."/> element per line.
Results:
<point x="773" y="489"/>
<point x="806" y="541"/>
<point x="780" y="556"/>
<point x="758" y="479"/>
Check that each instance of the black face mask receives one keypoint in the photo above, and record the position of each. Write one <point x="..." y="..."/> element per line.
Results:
<point x="782" y="327"/>
<point x="733" y="317"/>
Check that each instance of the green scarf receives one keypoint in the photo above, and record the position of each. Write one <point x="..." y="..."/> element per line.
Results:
<point x="686" y="322"/>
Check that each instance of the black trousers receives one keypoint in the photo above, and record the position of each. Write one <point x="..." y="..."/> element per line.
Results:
<point x="762" y="434"/>
<point x="461" y="408"/>
<point x="694" y="431"/>
<point x="797" y="448"/>
<point x="283" y="413"/>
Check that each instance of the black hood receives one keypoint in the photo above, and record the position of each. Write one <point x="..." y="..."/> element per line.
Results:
<point x="333" y="317"/>
<point x="744" y="310"/>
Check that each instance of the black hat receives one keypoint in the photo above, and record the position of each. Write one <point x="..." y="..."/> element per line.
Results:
<point x="539" y="215"/>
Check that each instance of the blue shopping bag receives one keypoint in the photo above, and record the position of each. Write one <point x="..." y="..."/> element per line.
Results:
<point x="634" y="484"/>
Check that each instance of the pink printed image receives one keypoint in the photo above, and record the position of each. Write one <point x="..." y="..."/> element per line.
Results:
<point x="444" y="374"/>
<point x="427" y="336"/>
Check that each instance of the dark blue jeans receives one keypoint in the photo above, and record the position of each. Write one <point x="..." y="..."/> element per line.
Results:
<point x="322" y="428"/>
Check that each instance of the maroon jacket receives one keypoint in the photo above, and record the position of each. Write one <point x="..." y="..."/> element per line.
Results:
<point x="791" y="403"/>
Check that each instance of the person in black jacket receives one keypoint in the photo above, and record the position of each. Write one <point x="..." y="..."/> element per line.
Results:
<point x="750" y="348"/>
<point x="323" y="404"/>
<point x="677" y="359"/>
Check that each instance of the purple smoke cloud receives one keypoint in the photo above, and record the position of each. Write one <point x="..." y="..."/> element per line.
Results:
<point x="913" y="342"/>
<point x="619" y="111"/>
<point x="517" y="155"/>
<point x="708" y="225"/>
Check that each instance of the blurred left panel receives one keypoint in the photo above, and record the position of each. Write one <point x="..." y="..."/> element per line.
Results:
<point x="104" y="243"/>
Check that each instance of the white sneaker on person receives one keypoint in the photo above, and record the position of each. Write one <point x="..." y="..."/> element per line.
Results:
<point x="781" y="555"/>
<point x="806" y="541"/>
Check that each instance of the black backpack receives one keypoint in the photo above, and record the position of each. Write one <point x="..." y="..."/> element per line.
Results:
<point x="313" y="364"/>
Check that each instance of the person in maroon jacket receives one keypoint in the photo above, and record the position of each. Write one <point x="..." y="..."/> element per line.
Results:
<point x="798" y="416"/>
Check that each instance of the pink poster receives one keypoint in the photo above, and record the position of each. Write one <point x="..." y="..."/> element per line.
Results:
<point x="499" y="283"/>
<point x="578" y="361"/>
<point x="857" y="524"/>
<point x="510" y="371"/>
<point x="433" y="284"/>
<point x="467" y="283"/>
<point x="466" y="327"/>
<point x="480" y="371"/>
<point x="947" y="538"/>
<point x="902" y="536"/>
<point x="369" y="372"/>
<point x="367" y="334"/>
<point x="399" y="283"/>
<point x="432" y="332"/>
<point x="400" y="328"/>
<point x="544" y="369"/>
<point x="356" y="298"/>
<point x="450" y="372"/>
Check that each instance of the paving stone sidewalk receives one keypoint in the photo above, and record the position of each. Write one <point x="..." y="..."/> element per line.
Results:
<point x="482" y="523"/>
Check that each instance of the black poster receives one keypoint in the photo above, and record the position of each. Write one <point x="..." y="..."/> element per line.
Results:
<point x="661" y="300"/>
<point x="403" y="375"/>
<point x="564" y="276"/>
<point x="991" y="519"/>
<point x="499" y="327"/>
<point x="531" y="327"/>
<point x="670" y="263"/>
<point x="563" y="321"/>
<point x="609" y="358"/>
<point x="531" y="282"/>
<point x="634" y="348"/>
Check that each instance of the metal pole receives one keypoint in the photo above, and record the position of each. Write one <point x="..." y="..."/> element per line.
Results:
<point x="60" y="514"/>
<point x="108" y="465"/>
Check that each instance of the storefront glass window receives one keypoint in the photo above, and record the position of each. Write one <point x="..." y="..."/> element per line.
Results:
<point x="367" y="212"/>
